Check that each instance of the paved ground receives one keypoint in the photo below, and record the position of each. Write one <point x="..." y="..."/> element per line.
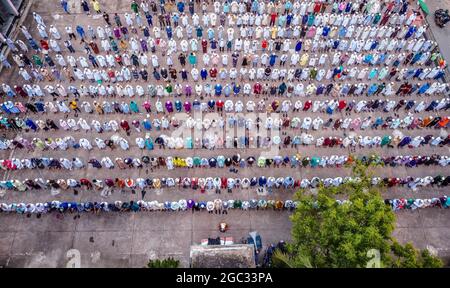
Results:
<point x="123" y="240"/>
<point x="442" y="35"/>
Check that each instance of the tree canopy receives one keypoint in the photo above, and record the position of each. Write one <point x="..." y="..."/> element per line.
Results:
<point x="164" y="263"/>
<point x="353" y="233"/>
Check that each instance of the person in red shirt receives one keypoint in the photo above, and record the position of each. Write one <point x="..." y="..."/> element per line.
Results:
<point x="20" y="91"/>
<point x="223" y="182"/>
<point x="94" y="47"/>
<point x="194" y="183"/>
<point x="118" y="59"/>
<point x="264" y="44"/>
<point x="257" y="88"/>
<point x="342" y="105"/>
<point x="213" y="73"/>
<point x="44" y="44"/>
<point x="219" y="105"/>
<point x="317" y="7"/>
<point x="205" y="46"/>
<point x="120" y="183"/>
<point x="112" y="75"/>
<point x="86" y="182"/>
<point x="307" y="105"/>
<point x="125" y="126"/>
<point x="273" y="17"/>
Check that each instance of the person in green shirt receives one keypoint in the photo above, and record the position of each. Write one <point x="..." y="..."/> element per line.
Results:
<point x="192" y="59"/>
<point x="386" y="140"/>
<point x="376" y="19"/>
<point x="169" y="89"/>
<point x="134" y="7"/>
<point x="305" y="161"/>
<point x="197" y="161"/>
<point x="37" y="60"/>
<point x="134" y="107"/>
<point x="114" y="46"/>
<point x="313" y="73"/>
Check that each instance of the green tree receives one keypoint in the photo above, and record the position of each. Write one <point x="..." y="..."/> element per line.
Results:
<point x="164" y="263"/>
<point x="328" y="234"/>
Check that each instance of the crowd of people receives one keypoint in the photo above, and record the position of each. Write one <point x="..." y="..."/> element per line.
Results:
<point x="217" y="206"/>
<point x="218" y="123"/>
<point x="329" y="107"/>
<point x="215" y="184"/>
<point x="302" y="70"/>
<point x="294" y="161"/>
<point x="212" y="142"/>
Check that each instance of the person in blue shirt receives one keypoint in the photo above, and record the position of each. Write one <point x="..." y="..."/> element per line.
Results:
<point x="439" y="75"/>
<point x="372" y="89"/>
<point x="374" y="45"/>
<point x="289" y="18"/>
<point x="65" y="6"/>
<point x="210" y="34"/>
<point x="211" y="104"/>
<point x="255" y="6"/>
<point x="305" y="19"/>
<point x="80" y="31"/>
<point x="411" y="31"/>
<point x="320" y="89"/>
<point x="191" y="7"/>
<point x="169" y="32"/>
<point x="423" y="88"/>
<point x="342" y="31"/>
<point x="184" y="75"/>
<point x="226" y="7"/>
<point x="199" y="31"/>
<point x="272" y="59"/>
<point x="148" y="143"/>
<point x="147" y="124"/>
<point x="178" y="106"/>
<point x="288" y="5"/>
<point x="213" y="44"/>
<point x="325" y="31"/>
<point x="416" y="57"/>
<point x="417" y="73"/>
<point x="218" y="89"/>
<point x="236" y="89"/>
<point x="40" y="106"/>
<point x="368" y="59"/>
<point x="336" y="43"/>
<point x="30" y="123"/>
<point x="149" y="18"/>
<point x="180" y="6"/>
<point x="204" y="73"/>
<point x="298" y="46"/>
<point x="381" y="59"/>
<point x="175" y="19"/>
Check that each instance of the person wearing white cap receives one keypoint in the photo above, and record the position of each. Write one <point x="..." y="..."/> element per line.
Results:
<point x="38" y="19"/>
<point x="123" y="144"/>
<point x="77" y="163"/>
<point x="54" y="32"/>
<point x="100" y="143"/>
<point x="85" y="144"/>
<point x="107" y="162"/>
<point x="66" y="163"/>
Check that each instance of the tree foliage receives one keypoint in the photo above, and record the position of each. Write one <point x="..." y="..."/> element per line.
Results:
<point x="164" y="263"/>
<point x="328" y="234"/>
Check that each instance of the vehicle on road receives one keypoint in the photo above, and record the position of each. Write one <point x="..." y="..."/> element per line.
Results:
<point x="441" y="17"/>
